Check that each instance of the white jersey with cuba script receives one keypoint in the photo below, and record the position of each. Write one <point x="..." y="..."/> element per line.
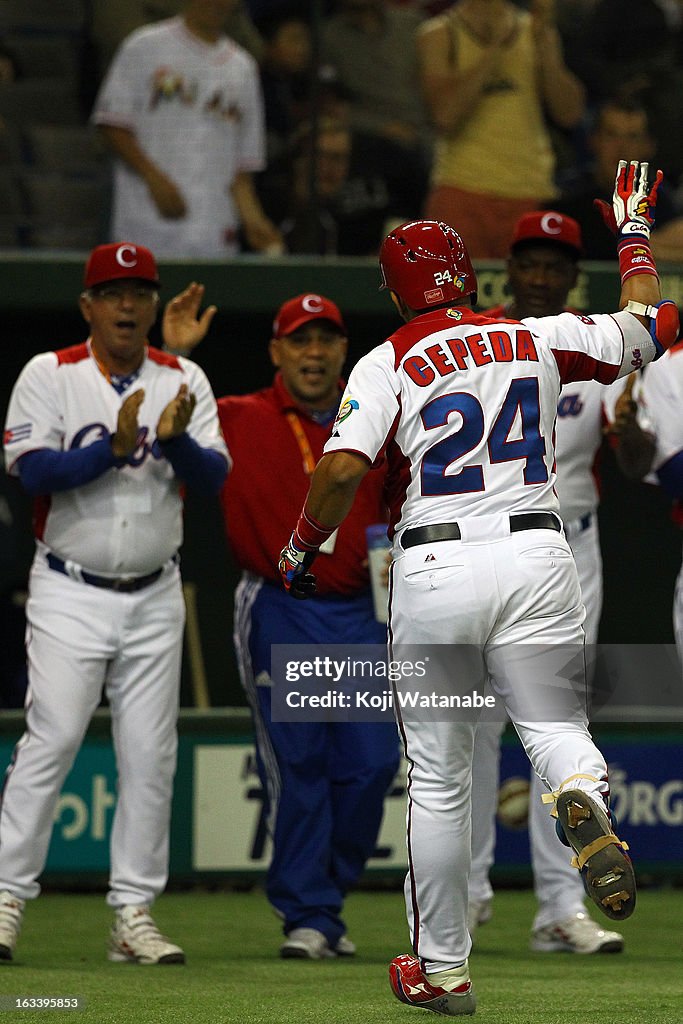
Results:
<point x="129" y="520"/>
<point x="463" y="407"/>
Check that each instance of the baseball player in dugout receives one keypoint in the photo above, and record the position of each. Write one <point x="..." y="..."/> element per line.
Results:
<point x="462" y="410"/>
<point x="542" y="268"/>
<point x="324" y="782"/>
<point x="104" y="435"/>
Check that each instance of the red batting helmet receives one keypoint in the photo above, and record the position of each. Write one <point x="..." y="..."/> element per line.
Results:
<point x="426" y="263"/>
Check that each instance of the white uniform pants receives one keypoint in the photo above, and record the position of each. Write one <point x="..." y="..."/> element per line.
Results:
<point x="81" y="640"/>
<point x="558" y="886"/>
<point x="511" y="589"/>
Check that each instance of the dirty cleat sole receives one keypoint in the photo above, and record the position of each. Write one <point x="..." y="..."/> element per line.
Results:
<point x="600" y="856"/>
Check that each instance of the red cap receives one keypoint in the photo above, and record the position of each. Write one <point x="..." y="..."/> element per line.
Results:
<point x="548" y="226"/>
<point x="301" y="310"/>
<point x="120" y="260"/>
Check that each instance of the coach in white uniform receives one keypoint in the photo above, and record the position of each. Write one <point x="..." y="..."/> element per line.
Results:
<point x="463" y="409"/>
<point x="104" y="435"/>
<point x="181" y="107"/>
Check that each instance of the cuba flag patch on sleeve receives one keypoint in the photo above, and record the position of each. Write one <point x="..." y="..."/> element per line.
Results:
<point x="19" y="433"/>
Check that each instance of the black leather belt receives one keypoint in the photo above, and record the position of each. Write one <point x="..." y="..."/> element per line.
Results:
<point x="451" y="531"/>
<point x="122" y="584"/>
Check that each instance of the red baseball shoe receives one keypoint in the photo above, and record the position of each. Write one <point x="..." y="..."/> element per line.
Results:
<point x="409" y="984"/>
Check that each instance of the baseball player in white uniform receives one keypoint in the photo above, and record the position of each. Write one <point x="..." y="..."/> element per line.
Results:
<point x="181" y="107"/>
<point x="660" y="412"/>
<point x="463" y="409"/>
<point x="542" y="269"/>
<point x="104" y="435"/>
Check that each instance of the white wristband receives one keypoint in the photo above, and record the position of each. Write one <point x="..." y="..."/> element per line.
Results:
<point x="641" y="309"/>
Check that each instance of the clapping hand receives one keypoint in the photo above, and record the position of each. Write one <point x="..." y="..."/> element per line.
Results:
<point x="182" y="327"/>
<point x="177" y="414"/>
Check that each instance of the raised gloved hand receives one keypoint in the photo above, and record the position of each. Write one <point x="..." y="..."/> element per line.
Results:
<point x="632" y="213"/>
<point x="293" y="566"/>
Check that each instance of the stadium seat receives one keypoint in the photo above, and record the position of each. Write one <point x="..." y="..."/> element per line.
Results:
<point x="11" y="196"/>
<point x="64" y="213"/>
<point x="39" y="101"/>
<point x="42" y="15"/>
<point x="72" y="150"/>
<point x="52" y="56"/>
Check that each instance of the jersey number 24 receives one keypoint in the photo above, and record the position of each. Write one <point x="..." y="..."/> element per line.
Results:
<point x="522" y="397"/>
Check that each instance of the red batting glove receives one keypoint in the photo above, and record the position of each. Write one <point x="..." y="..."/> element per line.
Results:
<point x="633" y="207"/>
<point x="293" y="566"/>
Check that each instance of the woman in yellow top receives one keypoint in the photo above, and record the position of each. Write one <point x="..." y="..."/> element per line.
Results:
<point x="491" y="73"/>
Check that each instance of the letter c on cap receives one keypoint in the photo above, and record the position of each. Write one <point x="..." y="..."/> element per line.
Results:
<point x="313" y="304"/>
<point x="551" y="224"/>
<point x="121" y="256"/>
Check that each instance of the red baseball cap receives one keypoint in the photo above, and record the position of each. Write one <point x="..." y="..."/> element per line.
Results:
<point x="120" y="260"/>
<point x="548" y="226"/>
<point x="301" y="310"/>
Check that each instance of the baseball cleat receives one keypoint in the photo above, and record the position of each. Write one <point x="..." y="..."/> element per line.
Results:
<point x="11" y="912"/>
<point x="306" y="944"/>
<point x="601" y="856"/>
<point x="411" y="985"/>
<point x="136" y="939"/>
<point x="576" y="934"/>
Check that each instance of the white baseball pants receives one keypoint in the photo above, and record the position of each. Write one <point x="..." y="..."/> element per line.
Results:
<point x="82" y="640"/>
<point x="499" y="593"/>
<point x="557" y="885"/>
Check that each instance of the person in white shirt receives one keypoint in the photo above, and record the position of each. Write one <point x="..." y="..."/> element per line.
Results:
<point x="181" y="108"/>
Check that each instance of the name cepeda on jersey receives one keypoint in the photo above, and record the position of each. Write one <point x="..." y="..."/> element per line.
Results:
<point x="444" y="358"/>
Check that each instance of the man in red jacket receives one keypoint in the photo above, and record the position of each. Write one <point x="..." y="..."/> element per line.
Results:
<point x="324" y="782"/>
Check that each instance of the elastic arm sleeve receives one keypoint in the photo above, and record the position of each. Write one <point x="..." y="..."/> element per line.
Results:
<point x="46" y="471"/>
<point x="200" y="468"/>
<point x="670" y="476"/>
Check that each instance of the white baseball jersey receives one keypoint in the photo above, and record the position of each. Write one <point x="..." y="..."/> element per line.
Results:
<point x="584" y="408"/>
<point x="465" y="407"/>
<point x="196" y="110"/>
<point x="129" y="520"/>
<point x="660" y="405"/>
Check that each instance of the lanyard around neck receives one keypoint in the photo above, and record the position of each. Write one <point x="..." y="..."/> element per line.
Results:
<point x="297" y="429"/>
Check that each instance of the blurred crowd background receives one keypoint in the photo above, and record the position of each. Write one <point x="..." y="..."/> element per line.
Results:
<point x="354" y="113"/>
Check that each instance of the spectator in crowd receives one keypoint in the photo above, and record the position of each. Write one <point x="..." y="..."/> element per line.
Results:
<point x="542" y="270"/>
<point x="369" y="46"/>
<point x="650" y="73"/>
<point x="324" y="782"/>
<point x="285" y="76"/>
<point x="181" y="108"/>
<point x="359" y="187"/>
<point x="620" y="128"/>
<point x="102" y="434"/>
<point x="491" y="74"/>
<point x="111" y="23"/>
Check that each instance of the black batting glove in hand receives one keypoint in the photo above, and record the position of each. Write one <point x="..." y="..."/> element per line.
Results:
<point x="632" y="213"/>
<point x="293" y="566"/>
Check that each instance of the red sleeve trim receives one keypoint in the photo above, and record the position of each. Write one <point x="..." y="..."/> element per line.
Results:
<point x="73" y="354"/>
<point x="155" y="355"/>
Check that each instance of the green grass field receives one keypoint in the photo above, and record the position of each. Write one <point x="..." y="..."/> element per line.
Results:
<point x="233" y="973"/>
